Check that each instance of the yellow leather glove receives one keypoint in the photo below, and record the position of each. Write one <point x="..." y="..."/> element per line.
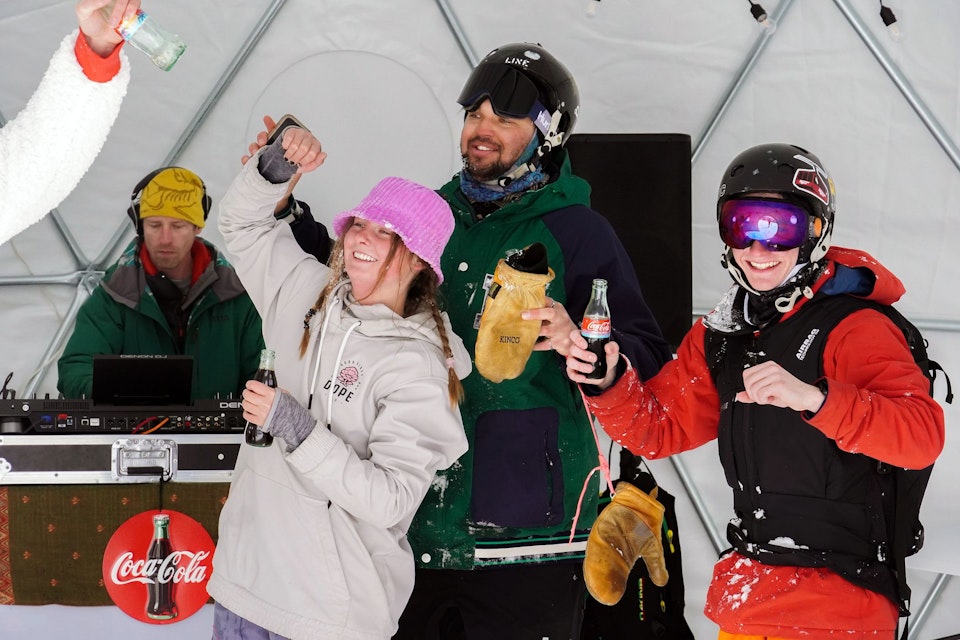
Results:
<point x="628" y="528"/>
<point x="505" y="340"/>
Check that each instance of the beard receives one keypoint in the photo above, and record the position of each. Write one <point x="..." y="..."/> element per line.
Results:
<point x="168" y="264"/>
<point x="485" y="174"/>
<point x="490" y="172"/>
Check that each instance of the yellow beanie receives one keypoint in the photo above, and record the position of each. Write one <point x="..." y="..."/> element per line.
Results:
<point x="175" y="193"/>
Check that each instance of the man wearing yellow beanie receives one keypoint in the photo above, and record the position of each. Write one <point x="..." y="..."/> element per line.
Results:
<point x="171" y="213"/>
<point x="170" y="293"/>
<point x="175" y="193"/>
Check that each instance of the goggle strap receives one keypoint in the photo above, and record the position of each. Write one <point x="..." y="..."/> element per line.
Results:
<point x="541" y="118"/>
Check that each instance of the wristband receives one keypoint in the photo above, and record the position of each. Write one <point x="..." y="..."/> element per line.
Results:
<point x="291" y="213"/>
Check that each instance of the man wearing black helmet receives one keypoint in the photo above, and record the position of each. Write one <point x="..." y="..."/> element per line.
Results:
<point x="500" y="536"/>
<point x="810" y="390"/>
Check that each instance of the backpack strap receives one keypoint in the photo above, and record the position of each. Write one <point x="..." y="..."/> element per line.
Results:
<point x="907" y="540"/>
<point x="934" y="368"/>
<point x="918" y="347"/>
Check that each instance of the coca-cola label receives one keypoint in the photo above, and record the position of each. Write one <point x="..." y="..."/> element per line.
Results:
<point x="595" y="328"/>
<point x="158" y="581"/>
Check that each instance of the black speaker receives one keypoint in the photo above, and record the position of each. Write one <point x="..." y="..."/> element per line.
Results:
<point x="641" y="183"/>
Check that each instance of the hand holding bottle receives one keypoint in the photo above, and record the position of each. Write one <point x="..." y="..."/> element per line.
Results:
<point x="97" y="25"/>
<point x="580" y="361"/>
<point x="277" y="413"/>
<point x="595" y="327"/>
<point x="144" y="33"/>
<point x="257" y="401"/>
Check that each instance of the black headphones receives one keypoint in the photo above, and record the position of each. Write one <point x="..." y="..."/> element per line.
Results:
<point x="134" y="209"/>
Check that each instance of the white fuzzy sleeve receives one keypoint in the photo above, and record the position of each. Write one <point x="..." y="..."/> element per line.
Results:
<point x="52" y="142"/>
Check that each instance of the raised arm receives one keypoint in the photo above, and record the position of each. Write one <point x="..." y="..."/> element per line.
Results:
<point x="48" y="147"/>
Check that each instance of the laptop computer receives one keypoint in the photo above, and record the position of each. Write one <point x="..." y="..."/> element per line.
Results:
<point x="145" y="380"/>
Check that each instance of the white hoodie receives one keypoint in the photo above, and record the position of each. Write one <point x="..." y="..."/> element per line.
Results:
<point x="312" y="543"/>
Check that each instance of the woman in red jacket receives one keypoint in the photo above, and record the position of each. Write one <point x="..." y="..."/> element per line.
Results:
<point x="806" y="385"/>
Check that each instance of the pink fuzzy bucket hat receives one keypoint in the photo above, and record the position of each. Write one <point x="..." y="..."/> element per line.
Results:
<point x="414" y="212"/>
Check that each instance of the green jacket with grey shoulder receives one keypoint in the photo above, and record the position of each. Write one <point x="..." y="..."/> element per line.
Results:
<point x="221" y="328"/>
<point x="514" y="496"/>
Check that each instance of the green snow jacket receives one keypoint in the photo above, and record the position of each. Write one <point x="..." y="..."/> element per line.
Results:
<point x="122" y="316"/>
<point x="513" y="496"/>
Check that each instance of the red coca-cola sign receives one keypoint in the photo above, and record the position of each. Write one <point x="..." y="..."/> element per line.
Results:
<point x="156" y="566"/>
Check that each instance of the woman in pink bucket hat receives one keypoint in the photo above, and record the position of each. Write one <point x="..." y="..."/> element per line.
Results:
<point x="312" y="540"/>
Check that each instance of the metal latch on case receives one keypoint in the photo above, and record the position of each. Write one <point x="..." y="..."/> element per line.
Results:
<point x="144" y="457"/>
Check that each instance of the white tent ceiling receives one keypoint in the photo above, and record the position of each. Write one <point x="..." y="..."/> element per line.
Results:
<point x="378" y="80"/>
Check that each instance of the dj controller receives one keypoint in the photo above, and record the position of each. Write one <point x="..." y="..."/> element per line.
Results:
<point x="47" y="441"/>
<point x="66" y="417"/>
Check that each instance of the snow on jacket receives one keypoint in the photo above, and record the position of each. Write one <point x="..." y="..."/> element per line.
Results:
<point x="312" y="542"/>
<point x="52" y="142"/>
<point x="871" y="407"/>
<point x="122" y="316"/>
<point x="513" y="496"/>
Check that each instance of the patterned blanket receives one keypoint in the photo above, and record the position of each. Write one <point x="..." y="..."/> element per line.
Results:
<point x="52" y="537"/>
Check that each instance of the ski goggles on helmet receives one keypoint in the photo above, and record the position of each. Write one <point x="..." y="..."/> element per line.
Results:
<point x="511" y="94"/>
<point x="776" y="224"/>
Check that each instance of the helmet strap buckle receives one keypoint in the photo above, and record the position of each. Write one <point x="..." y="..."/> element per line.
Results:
<point x="552" y="137"/>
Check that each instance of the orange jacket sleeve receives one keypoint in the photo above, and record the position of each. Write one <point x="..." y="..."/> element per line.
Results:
<point x="676" y="410"/>
<point x="94" y="67"/>
<point x="877" y="401"/>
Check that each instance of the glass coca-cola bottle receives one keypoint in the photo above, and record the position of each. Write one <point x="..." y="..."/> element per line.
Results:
<point x="252" y="433"/>
<point x="595" y="327"/>
<point x="161" y="604"/>
<point x="146" y="35"/>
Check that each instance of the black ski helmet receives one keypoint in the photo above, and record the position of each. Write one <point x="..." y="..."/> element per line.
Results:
<point x="797" y="176"/>
<point x="793" y="173"/>
<point x="523" y="79"/>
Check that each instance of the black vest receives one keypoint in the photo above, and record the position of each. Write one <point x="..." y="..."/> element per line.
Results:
<point x="798" y="498"/>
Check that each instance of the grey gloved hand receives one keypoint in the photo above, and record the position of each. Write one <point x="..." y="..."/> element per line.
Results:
<point x="274" y="166"/>
<point x="288" y="419"/>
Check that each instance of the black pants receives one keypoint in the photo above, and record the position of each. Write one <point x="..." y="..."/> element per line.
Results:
<point x="516" y="602"/>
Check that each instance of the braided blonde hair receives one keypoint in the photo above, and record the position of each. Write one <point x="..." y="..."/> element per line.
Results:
<point x="422" y="295"/>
